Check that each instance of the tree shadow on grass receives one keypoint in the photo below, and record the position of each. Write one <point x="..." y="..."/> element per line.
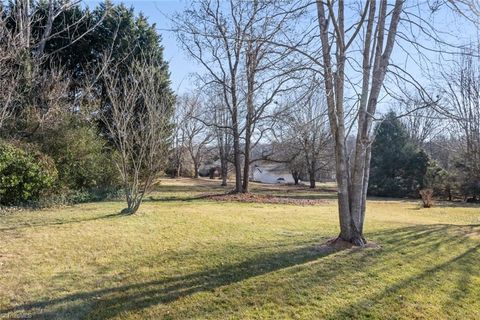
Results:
<point x="402" y="289"/>
<point x="113" y="301"/>
<point x="418" y="242"/>
<point x="461" y="267"/>
<point x="62" y="222"/>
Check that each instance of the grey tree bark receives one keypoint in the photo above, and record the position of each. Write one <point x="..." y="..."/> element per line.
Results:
<point x="352" y="180"/>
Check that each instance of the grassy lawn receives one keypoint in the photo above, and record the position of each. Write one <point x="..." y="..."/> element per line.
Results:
<point x="184" y="257"/>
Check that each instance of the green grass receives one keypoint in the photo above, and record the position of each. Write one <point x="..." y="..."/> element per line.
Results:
<point x="188" y="258"/>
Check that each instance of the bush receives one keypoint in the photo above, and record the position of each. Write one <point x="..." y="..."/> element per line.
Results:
<point x="427" y="197"/>
<point x="24" y="176"/>
<point x="438" y="179"/>
<point x="83" y="158"/>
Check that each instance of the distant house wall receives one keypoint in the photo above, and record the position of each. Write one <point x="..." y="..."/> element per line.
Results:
<point x="266" y="175"/>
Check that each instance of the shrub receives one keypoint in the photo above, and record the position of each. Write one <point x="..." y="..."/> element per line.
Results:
<point x="427" y="197"/>
<point x="24" y="176"/>
<point x="436" y="178"/>
<point x="86" y="170"/>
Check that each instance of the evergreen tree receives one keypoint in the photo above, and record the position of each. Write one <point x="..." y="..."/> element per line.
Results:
<point x="397" y="167"/>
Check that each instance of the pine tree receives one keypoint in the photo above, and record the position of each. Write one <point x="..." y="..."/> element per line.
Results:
<point x="397" y="166"/>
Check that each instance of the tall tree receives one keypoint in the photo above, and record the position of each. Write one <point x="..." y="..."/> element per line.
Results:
<point x="378" y="40"/>
<point x="461" y="105"/>
<point x="397" y="167"/>
<point x="195" y="135"/>
<point x="356" y="55"/>
<point x="233" y="41"/>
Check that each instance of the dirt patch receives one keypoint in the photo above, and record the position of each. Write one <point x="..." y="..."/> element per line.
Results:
<point x="261" y="198"/>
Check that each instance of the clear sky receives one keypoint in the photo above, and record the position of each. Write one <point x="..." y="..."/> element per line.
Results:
<point x="181" y="66"/>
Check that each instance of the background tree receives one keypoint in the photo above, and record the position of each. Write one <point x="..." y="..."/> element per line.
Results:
<point x="195" y="135"/>
<point x="218" y="120"/>
<point x="461" y="105"/>
<point x="307" y="133"/>
<point x="398" y="167"/>
<point x="234" y="42"/>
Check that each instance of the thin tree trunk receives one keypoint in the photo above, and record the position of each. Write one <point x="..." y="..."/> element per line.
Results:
<point x="236" y="142"/>
<point x="224" y="169"/>
<point x="223" y="160"/>
<point x="195" y="171"/>
<point x="237" y="162"/>
<point x="295" y="176"/>
<point x="246" y="162"/>
<point x="312" y="174"/>
<point x="250" y="73"/>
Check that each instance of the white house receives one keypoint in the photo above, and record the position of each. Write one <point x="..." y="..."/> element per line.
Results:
<point x="270" y="173"/>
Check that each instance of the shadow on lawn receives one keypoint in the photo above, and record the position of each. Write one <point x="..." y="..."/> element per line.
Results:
<point x="408" y="244"/>
<point x="461" y="268"/>
<point x="465" y="263"/>
<point x="63" y="222"/>
<point x="112" y="301"/>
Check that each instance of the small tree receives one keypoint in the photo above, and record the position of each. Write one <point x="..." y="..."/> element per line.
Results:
<point x="427" y="197"/>
<point x="139" y="124"/>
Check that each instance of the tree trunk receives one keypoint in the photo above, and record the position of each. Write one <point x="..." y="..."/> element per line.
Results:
<point x="237" y="163"/>
<point x="236" y="150"/>
<point x="312" y="180"/>
<point x="296" y="177"/>
<point x="195" y="171"/>
<point x="250" y="72"/>
<point x="178" y="170"/>
<point x="133" y="203"/>
<point x="246" y="165"/>
<point x="311" y="174"/>
<point x="352" y="182"/>
<point x="224" y="177"/>
<point x="224" y="170"/>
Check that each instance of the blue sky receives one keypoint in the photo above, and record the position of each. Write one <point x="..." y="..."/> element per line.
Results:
<point x="181" y="66"/>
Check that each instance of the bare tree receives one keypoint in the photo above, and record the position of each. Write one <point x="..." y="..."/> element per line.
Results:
<point x="177" y="156"/>
<point x="139" y="124"/>
<point x="356" y="55"/>
<point x="218" y="120"/>
<point x="234" y="42"/>
<point x="269" y="71"/>
<point x="377" y="46"/>
<point x="208" y="35"/>
<point x="195" y="135"/>
<point x="9" y="46"/>
<point x="307" y="132"/>
<point x="26" y="15"/>
<point x="29" y="92"/>
<point x="33" y="96"/>
<point x="461" y="105"/>
<point x="421" y="122"/>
